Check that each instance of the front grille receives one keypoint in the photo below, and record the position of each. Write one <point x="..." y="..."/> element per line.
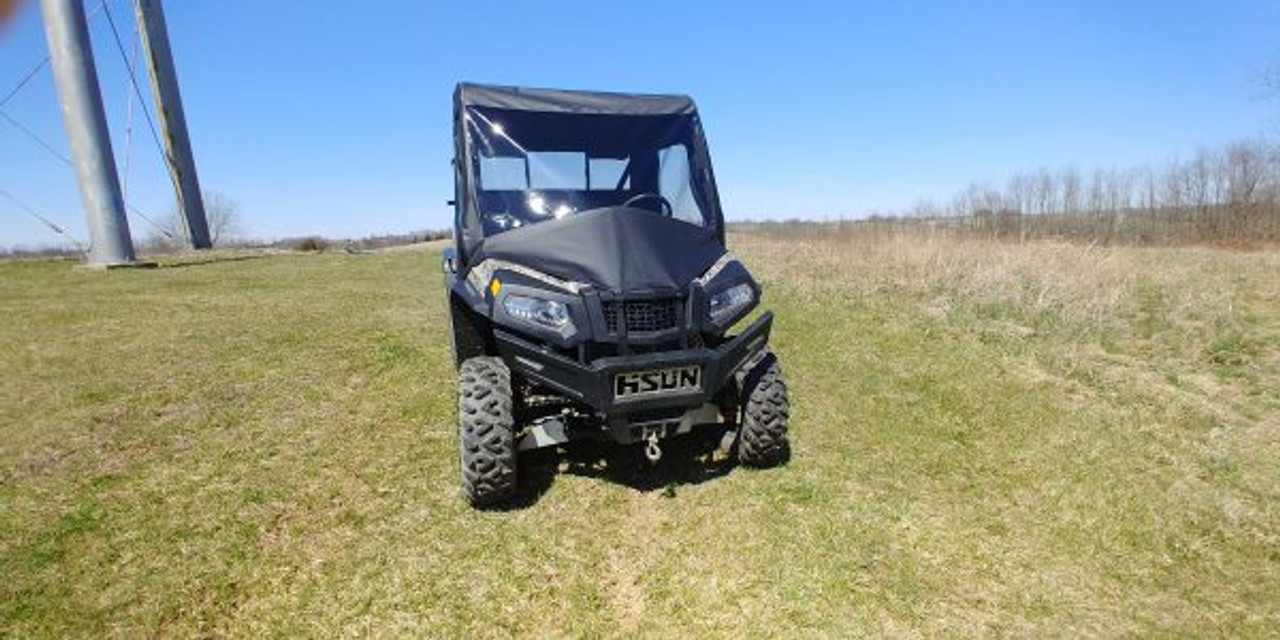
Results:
<point x="643" y="316"/>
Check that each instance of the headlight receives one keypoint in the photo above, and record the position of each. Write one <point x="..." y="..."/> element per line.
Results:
<point x="731" y="299"/>
<point x="547" y="313"/>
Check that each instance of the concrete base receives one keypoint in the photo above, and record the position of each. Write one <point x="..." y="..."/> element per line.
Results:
<point x="136" y="264"/>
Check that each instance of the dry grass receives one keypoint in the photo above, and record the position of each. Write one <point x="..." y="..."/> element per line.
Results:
<point x="1114" y="410"/>
<point x="1081" y="283"/>
<point x="989" y="439"/>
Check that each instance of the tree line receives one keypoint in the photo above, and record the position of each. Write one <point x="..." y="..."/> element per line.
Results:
<point x="1219" y="195"/>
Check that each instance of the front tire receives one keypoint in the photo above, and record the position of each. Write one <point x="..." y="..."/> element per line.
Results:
<point x="486" y="431"/>
<point x="762" y="441"/>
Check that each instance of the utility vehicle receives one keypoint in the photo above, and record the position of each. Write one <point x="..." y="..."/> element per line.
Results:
<point x="589" y="289"/>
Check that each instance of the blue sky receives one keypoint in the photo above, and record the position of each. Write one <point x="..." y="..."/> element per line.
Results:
<point x="334" y="117"/>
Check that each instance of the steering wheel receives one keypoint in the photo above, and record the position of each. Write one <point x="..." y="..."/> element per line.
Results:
<point x="649" y="195"/>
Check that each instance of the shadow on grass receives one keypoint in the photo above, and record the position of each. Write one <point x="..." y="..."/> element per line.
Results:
<point x="687" y="460"/>
<point x="197" y="262"/>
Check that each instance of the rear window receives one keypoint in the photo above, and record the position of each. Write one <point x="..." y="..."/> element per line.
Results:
<point x="557" y="170"/>
<point x="502" y="173"/>
<point x="606" y="173"/>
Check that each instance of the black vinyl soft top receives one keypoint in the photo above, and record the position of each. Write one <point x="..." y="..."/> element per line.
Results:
<point x="494" y="124"/>
<point x="562" y="101"/>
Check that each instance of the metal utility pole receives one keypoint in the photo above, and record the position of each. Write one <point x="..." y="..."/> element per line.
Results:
<point x="81" y="98"/>
<point x="164" y="85"/>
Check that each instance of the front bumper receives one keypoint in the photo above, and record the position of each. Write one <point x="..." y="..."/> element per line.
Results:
<point x="593" y="384"/>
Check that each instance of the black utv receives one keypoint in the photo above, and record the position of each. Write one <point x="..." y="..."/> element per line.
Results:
<point x="590" y="291"/>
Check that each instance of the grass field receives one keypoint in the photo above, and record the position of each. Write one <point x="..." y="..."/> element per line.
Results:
<point x="1021" y="439"/>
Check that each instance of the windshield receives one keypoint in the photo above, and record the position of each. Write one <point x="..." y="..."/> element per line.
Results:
<point x="531" y="166"/>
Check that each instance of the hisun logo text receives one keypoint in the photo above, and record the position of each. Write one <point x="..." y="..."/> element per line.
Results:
<point x="643" y="383"/>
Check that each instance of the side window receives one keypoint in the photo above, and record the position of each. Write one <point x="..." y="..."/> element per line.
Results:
<point x="674" y="183"/>
<point x="558" y="170"/>
<point x="502" y="173"/>
<point x="606" y="172"/>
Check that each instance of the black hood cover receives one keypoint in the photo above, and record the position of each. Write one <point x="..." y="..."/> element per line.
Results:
<point x="618" y="249"/>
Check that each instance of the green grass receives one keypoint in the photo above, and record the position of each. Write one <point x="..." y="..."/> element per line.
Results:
<point x="988" y="439"/>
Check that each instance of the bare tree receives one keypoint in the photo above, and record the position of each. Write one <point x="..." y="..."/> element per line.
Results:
<point x="221" y="212"/>
<point x="1072" y="190"/>
<point x="1043" y="192"/>
<point x="1018" y="193"/>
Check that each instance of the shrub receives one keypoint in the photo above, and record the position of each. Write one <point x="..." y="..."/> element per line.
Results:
<point x="313" y="243"/>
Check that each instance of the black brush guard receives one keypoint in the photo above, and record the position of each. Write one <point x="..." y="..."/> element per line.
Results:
<point x="593" y="383"/>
